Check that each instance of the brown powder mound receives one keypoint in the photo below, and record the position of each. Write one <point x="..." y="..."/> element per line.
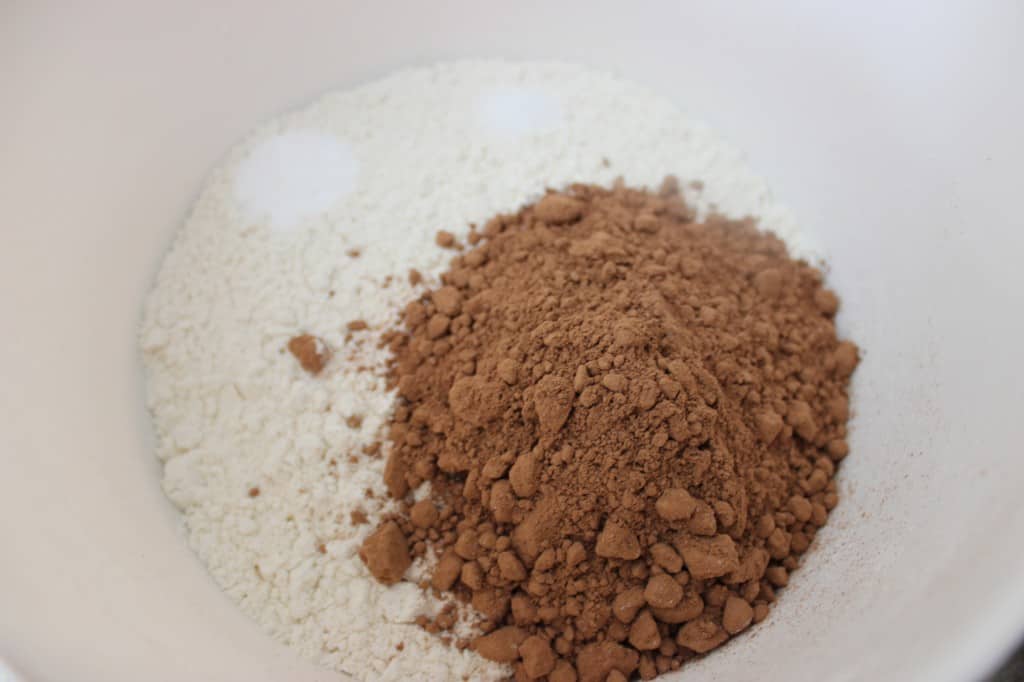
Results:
<point x="630" y="421"/>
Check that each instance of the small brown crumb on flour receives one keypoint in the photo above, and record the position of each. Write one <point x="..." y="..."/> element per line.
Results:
<point x="445" y="239"/>
<point x="311" y="352"/>
<point x="386" y="553"/>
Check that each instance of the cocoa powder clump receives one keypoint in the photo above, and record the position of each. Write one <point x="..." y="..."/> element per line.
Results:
<point x="630" y="422"/>
<point x="311" y="352"/>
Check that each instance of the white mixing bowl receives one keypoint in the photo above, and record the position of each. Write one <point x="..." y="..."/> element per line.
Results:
<point x="892" y="130"/>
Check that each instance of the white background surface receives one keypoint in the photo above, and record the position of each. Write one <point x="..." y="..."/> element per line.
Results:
<point x="894" y="134"/>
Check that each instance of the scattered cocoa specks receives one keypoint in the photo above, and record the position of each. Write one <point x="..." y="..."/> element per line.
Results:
<point x="357" y="325"/>
<point x="358" y="517"/>
<point x="354" y="421"/>
<point x="254" y="492"/>
<point x="353" y="253"/>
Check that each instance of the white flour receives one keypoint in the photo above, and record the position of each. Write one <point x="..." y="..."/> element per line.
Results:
<point x="380" y="168"/>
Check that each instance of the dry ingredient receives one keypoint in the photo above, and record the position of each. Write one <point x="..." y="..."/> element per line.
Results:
<point x="264" y="459"/>
<point x="311" y="352"/>
<point x="629" y="422"/>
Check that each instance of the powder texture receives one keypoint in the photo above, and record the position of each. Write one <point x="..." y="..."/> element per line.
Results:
<point x="628" y="418"/>
<point x="254" y="267"/>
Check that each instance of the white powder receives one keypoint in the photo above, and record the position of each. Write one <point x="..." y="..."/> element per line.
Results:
<point x="263" y="257"/>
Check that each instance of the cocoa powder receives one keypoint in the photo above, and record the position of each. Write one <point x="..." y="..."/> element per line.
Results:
<point x="311" y="352"/>
<point x="630" y="422"/>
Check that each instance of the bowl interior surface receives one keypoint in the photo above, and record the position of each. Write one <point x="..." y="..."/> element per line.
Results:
<point x="892" y="131"/>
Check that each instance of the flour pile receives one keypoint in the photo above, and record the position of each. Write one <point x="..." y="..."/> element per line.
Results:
<point x="315" y="222"/>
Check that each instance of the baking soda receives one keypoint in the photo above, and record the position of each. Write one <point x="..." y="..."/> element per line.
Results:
<point x="269" y="252"/>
